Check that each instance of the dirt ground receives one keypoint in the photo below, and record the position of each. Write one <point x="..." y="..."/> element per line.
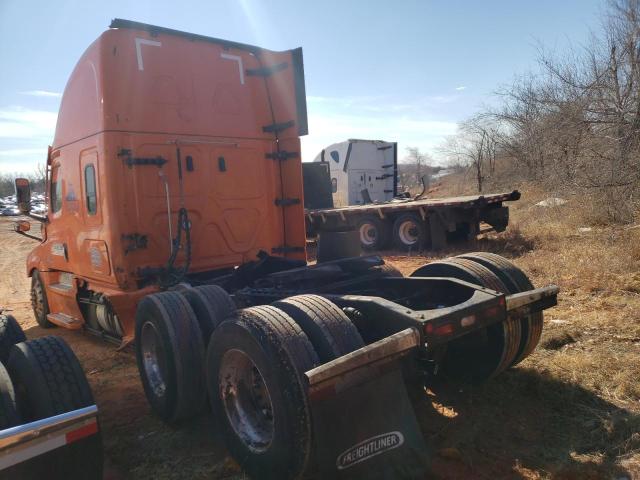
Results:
<point x="570" y="411"/>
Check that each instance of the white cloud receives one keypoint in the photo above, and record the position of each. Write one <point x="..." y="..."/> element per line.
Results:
<point x="24" y="123"/>
<point x="24" y="136"/>
<point x="408" y="123"/>
<point x="460" y="88"/>
<point x="41" y="93"/>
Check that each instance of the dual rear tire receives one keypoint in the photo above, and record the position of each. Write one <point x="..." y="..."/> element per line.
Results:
<point x="488" y="352"/>
<point x="255" y="375"/>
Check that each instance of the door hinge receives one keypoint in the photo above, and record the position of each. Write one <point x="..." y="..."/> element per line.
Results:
<point x="278" y="127"/>
<point x="266" y="71"/>
<point x="287" y="249"/>
<point x="282" y="155"/>
<point x="285" y="202"/>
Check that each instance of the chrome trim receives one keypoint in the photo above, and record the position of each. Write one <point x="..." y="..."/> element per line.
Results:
<point x="14" y="436"/>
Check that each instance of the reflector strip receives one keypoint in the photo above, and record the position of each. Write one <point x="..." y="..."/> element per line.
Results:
<point x="82" y="432"/>
<point x="37" y="448"/>
<point x="40" y="446"/>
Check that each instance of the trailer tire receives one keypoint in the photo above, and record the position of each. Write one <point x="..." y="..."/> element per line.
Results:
<point x="330" y="331"/>
<point x="485" y="353"/>
<point x="409" y="232"/>
<point x="517" y="281"/>
<point x="10" y="334"/>
<point x="211" y="304"/>
<point x="39" y="301"/>
<point x="9" y="416"/>
<point x="374" y="233"/>
<point x="169" y="353"/>
<point x="255" y="365"/>
<point x="49" y="380"/>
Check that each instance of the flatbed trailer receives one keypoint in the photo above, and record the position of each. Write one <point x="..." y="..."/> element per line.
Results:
<point x="429" y="223"/>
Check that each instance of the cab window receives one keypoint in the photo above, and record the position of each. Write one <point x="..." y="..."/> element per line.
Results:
<point x="56" y="189"/>
<point x="91" y="196"/>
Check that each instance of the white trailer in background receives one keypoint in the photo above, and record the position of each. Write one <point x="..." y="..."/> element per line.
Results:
<point x="357" y="165"/>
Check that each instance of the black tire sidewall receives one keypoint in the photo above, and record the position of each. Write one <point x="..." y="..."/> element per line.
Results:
<point x="182" y="355"/>
<point x="36" y="398"/>
<point x="287" y="399"/>
<point x="10" y="334"/>
<point x="9" y="416"/>
<point x="165" y="404"/>
<point x="42" y="320"/>
<point x="205" y="313"/>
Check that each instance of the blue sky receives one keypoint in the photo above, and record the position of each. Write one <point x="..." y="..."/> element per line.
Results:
<point x="405" y="71"/>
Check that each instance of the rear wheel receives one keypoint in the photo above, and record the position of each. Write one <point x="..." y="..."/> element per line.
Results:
<point x="255" y="365"/>
<point x="211" y="304"/>
<point x="485" y="353"/>
<point x="374" y="233"/>
<point x="516" y="281"/>
<point x="10" y="334"/>
<point x="409" y="232"/>
<point x="330" y="331"/>
<point x="170" y="353"/>
<point x="39" y="301"/>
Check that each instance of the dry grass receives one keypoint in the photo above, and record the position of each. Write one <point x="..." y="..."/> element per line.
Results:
<point x="572" y="409"/>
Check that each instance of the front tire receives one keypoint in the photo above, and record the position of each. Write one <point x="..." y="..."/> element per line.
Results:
<point x="39" y="301"/>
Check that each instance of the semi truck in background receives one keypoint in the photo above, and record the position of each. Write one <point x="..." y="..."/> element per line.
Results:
<point x="358" y="165"/>
<point x="354" y="185"/>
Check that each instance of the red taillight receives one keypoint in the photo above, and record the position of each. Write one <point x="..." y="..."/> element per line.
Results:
<point x="492" y="311"/>
<point x="446" y="329"/>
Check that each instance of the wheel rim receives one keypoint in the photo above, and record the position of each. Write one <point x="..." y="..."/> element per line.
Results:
<point x="368" y="234"/>
<point x="246" y="400"/>
<point x="153" y="358"/>
<point x="408" y="232"/>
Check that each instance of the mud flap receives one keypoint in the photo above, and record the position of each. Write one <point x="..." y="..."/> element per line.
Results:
<point x="366" y="428"/>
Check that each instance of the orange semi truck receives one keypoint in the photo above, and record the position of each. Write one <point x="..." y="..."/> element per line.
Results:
<point x="175" y="221"/>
